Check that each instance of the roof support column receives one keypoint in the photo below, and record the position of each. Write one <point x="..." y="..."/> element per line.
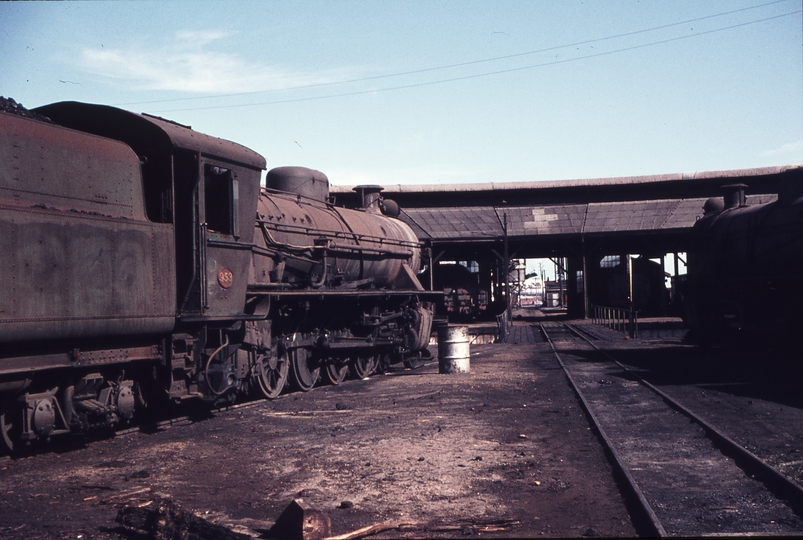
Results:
<point x="508" y="308"/>
<point x="585" y="277"/>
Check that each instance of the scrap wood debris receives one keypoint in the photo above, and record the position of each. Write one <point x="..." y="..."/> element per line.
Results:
<point x="467" y="525"/>
<point x="164" y="519"/>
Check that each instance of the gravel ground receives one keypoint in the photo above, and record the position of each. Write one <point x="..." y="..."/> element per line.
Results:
<point x="449" y="454"/>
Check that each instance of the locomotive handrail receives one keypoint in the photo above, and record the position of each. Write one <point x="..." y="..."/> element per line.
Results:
<point x="295" y="197"/>
<point x="287" y="290"/>
<point x="286" y="227"/>
<point x="346" y="247"/>
<point x="202" y="264"/>
<point x="228" y="244"/>
<point x="268" y="252"/>
<point x="340" y="247"/>
<point x="272" y="241"/>
<point x="194" y="238"/>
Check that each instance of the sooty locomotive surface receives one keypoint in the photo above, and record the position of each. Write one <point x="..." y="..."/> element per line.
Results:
<point x="744" y="266"/>
<point x="145" y="265"/>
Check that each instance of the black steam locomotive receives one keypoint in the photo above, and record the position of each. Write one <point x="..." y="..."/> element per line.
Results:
<point x="744" y="266"/>
<point x="145" y="266"/>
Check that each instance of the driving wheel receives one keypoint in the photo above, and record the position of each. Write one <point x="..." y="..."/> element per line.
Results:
<point x="305" y="369"/>
<point x="362" y="365"/>
<point x="336" y="371"/>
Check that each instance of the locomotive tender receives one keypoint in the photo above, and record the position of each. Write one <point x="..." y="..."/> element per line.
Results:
<point x="144" y="265"/>
<point x="745" y="262"/>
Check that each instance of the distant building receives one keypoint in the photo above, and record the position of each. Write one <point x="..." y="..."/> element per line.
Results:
<point x="555" y="294"/>
<point x="531" y="293"/>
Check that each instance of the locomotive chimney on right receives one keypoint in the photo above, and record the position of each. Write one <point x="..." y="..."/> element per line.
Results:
<point x="734" y="196"/>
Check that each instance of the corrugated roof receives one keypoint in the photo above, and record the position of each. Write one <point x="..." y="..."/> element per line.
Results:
<point x="486" y="222"/>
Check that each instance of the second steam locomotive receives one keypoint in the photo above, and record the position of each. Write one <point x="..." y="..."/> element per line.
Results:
<point x="144" y="265"/>
<point x="744" y="266"/>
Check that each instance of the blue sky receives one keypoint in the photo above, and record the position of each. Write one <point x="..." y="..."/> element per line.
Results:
<point x="418" y="92"/>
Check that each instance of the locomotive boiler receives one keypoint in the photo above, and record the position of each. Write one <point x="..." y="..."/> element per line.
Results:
<point x="745" y="265"/>
<point x="145" y="266"/>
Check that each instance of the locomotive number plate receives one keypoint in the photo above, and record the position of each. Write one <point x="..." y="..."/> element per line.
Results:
<point x="225" y="278"/>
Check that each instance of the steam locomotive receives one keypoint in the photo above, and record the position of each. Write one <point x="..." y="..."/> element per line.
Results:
<point x="744" y="266"/>
<point x="145" y="266"/>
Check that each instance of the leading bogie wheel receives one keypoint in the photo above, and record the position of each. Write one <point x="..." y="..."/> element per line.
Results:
<point x="335" y="371"/>
<point x="272" y="375"/>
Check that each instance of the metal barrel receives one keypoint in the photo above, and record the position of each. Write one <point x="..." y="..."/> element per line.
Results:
<point x="453" y="349"/>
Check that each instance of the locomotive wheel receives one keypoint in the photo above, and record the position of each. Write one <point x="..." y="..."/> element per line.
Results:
<point x="272" y="375"/>
<point x="305" y="370"/>
<point x="382" y="363"/>
<point x="361" y="366"/>
<point x="336" y="371"/>
<point x="9" y="429"/>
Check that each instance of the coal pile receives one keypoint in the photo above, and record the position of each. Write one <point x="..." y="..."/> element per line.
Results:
<point x="10" y="106"/>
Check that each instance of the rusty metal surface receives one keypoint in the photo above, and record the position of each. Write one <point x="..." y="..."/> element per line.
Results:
<point x="129" y="252"/>
<point x="173" y="157"/>
<point x="299" y="180"/>
<point x="80" y="258"/>
<point x="185" y="137"/>
<point x="77" y="359"/>
<point x="227" y="254"/>
<point x="91" y="117"/>
<point x="49" y="167"/>
<point x="358" y="245"/>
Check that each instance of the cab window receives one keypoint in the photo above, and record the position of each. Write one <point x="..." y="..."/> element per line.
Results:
<point x="220" y="199"/>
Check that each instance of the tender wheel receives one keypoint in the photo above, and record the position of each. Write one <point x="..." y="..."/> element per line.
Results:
<point x="305" y="370"/>
<point x="9" y="429"/>
<point x="272" y="375"/>
<point x="362" y="366"/>
<point x="336" y="371"/>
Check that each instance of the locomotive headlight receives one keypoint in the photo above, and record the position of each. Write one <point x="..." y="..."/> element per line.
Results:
<point x="225" y="278"/>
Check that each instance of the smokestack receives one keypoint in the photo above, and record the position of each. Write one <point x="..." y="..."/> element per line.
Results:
<point x="734" y="196"/>
<point x="370" y="197"/>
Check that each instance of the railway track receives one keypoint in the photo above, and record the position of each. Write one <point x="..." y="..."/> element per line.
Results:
<point x="684" y="475"/>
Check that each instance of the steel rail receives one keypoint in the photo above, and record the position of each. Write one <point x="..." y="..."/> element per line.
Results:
<point x="654" y="524"/>
<point x="775" y="480"/>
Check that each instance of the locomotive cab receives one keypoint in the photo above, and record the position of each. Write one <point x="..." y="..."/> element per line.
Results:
<point x="206" y="187"/>
<point x="140" y="276"/>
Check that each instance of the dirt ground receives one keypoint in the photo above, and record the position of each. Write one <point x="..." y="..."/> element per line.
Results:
<point x="448" y="454"/>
